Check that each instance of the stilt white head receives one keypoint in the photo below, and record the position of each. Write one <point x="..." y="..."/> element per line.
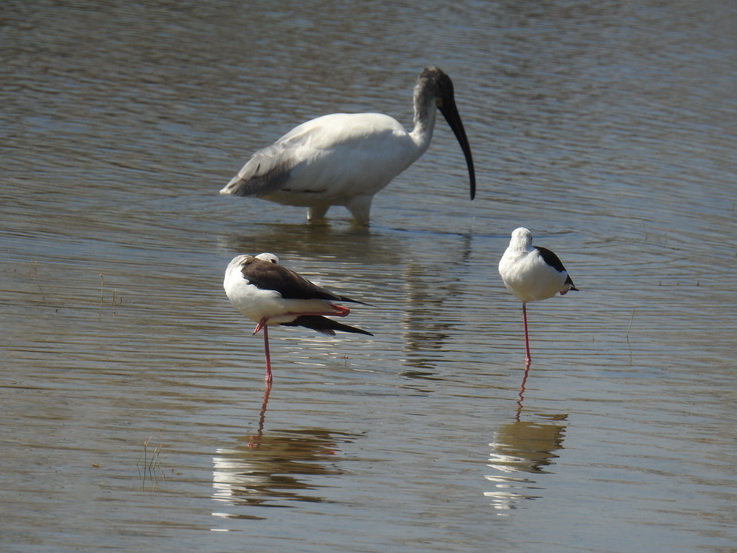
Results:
<point x="532" y="273"/>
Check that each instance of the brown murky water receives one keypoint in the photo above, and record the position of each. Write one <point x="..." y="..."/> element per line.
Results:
<point x="134" y="415"/>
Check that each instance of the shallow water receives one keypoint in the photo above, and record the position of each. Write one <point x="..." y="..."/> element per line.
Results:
<point x="134" y="413"/>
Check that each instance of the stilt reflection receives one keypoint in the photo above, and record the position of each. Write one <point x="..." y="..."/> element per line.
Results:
<point x="255" y="441"/>
<point x="521" y="395"/>
<point x="521" y="450"/>
<point x="274" y="468"/>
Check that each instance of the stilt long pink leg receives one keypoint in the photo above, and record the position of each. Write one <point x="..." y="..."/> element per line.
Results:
<point x="263" y="326"/>
<point x="527" y="338"/>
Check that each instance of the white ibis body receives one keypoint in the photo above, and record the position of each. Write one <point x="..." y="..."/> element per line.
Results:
<point x="532" y="274"/>
<point x="346" y="158"/>
<point x="270" y="294"/>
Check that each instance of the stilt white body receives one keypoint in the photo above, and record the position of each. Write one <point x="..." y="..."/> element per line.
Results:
<point x="269" y="294"/>
<point x="532" y="274"/>
<point x="259" y="304"/>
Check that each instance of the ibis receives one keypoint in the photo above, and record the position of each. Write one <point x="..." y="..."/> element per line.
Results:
<point x="346" y="158"/>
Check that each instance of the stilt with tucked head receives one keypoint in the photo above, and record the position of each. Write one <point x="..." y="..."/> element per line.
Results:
<point x="270" y="294"/>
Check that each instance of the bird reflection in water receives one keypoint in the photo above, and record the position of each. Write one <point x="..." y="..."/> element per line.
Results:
<point x="521" y="394"/>
<point x="428" y="320"/>
<point x="274" y="468"/>
<point x="255" y="441"/>
<point x="521" y="449"/>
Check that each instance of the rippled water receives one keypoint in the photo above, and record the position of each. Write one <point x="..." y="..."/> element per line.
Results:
<point x="134" y="414"/>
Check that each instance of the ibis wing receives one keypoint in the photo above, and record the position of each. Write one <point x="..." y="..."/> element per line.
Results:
<point x="334" y="156"/>
<point x="267" y="170"/>
<point x="270" y="168"/>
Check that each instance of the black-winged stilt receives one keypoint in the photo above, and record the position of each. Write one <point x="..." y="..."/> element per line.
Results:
<point x="532" y="273"/>
<point x="346" y="158"/>
<point x="271" y="294"/>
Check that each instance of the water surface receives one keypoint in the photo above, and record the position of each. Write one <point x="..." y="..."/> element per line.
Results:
<point x="134" y="413"/>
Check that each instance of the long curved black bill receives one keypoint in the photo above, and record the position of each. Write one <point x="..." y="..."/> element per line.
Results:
<point x="450" y="112"/>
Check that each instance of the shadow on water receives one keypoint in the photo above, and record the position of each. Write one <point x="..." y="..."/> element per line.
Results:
<point x="295" y="239"/>
<point x="275" y="468"/>
<point x="345" y="241"/>
<point x="349" y="243"/>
